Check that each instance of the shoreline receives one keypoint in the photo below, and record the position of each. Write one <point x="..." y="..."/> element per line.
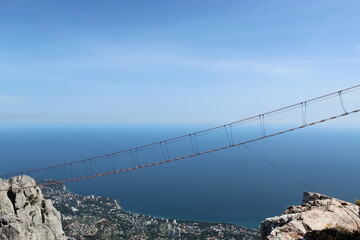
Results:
<point x="173" y="218"/>
<point x="98" y="217"/>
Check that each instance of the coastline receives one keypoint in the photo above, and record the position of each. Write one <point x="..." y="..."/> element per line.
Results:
<point x="93" y="217"/>
<point x="250" y="225"/>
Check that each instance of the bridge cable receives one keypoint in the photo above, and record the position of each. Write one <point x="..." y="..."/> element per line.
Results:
<point x="167" y="150"/>
<point x="185" y="157"/>
<point x="278" y="168"/>
<point x="227" y="135"/>
<point x="246" y="162"/>
<point x="192" y="145"/>
<point x="162" y="150"/>
<point x="91" y="167"/>
<point x="262" y="124"/>
<point x="132" y="158"/>
<point x="136" y="156"/>
<point x="303" y="112"/>
<point x="341" y="101"/>
<point x="196" y="143"/>
<point x="209" y="130"/>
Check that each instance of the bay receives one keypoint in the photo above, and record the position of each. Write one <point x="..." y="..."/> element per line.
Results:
<point x="233" y="185"/>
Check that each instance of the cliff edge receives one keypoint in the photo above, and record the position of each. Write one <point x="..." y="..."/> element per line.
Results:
<point x="25" y="214"/>
<point x="316" y="213"/>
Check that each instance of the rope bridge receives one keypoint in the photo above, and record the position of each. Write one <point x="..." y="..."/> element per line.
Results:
<point x="227" y="135"/>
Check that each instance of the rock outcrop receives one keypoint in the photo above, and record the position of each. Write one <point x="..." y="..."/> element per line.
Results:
<point x="317" y="212"/>
<point x="25" y="214"/>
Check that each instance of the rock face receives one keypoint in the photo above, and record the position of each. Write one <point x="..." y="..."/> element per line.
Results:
<point x="25" y="214"/>
<point x="317" y="212"/>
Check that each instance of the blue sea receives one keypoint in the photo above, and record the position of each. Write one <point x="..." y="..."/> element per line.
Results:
<point x="233" y="185"/>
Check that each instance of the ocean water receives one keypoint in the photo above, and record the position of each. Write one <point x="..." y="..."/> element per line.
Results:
<point x="233" y="185"/>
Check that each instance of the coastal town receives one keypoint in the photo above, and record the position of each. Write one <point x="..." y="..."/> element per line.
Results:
<point x="96" y="217"/>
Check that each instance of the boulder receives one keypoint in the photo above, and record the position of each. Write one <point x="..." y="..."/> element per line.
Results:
<point x="317" y="212"/>
<point x="25" y="214"/>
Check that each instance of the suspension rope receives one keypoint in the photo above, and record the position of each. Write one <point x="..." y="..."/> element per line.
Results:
<point x="167" y="150"/>
<point x="246" y="162"/>
<point x="86" y="169"/>
<point x="196" y="143"/>
<point x="132" y="158"/>
<point x="112" y="157"/>
<point x="136" y="156"/>
<point x="227" y="135"/>
<point x="278" y="168"/>
<point x="162" y="150"/>
<point x="192" y="145"/>
<point x="67" y="175"/>
<point x="91" y="167"/>
<point x="71" y="172"/>
<point x="48" y="176"/>
<point x="184" y="157"/>
<point x="109" y="161"/>
<point x="341" y="101"/>
<point x="262" y="124"/>
<point x="183" y="137"/>
<point x="303" y="112"/>
<point x="54" y="173"/>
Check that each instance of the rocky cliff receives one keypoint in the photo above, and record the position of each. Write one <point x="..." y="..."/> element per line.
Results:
<point x="317" y="212"/>
<point x="25" y="214"/>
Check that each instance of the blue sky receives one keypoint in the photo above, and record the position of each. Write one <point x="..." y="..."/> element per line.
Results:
<point x="172" y="61"/>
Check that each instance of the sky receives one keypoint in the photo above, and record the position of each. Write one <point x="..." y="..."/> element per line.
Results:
<point x="167" y="61"/>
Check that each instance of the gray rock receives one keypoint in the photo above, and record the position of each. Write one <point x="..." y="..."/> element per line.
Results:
<point x="317" y="212"/>
<point x="25" y="214"/>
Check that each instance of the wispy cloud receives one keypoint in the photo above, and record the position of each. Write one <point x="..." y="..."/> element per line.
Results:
<point x="357" y="47"/>
<point x="12" y="98"/>
<point x="116" y="57"/>
<point x="265" y="67"/>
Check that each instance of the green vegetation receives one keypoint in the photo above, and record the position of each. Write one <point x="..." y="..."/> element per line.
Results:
<point x="357" y="202"/>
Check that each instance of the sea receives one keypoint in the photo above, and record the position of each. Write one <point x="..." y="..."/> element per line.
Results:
<point x="240" y="185"/>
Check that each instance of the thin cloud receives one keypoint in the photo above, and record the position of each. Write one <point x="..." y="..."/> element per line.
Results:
<point x="130" y="58"/>
<point x="13" y="98"/>
<point x="268" y="68"/>
<point x="357" y="47"/>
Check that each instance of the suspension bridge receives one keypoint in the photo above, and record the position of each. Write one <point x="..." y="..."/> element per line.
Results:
<point x="303" y="114"/>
